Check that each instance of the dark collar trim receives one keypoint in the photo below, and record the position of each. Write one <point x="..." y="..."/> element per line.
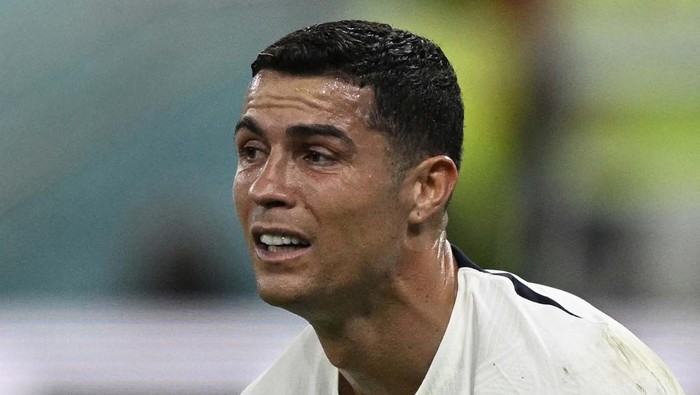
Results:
<point x="520" y="288"/>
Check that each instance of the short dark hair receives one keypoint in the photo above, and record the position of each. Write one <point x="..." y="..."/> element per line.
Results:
<point x="418" y="103"/>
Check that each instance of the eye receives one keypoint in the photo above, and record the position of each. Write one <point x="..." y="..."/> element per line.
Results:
<point x="319" y="157"/>
<point x="250" y="152"/>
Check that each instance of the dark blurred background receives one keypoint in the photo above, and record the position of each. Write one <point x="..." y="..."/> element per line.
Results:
<point x="122" y="265"/>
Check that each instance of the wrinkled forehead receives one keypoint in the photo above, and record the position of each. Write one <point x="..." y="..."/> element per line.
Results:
<point x="330" y="82"/>
<point x="332" y="95"/>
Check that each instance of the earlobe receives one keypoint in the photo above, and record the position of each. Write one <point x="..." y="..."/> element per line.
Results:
<point x="434" y="180"/>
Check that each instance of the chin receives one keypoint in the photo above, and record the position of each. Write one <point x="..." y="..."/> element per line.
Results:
<point x="295" y="298"/>
<point x="278" y="293"/>
<point x="275" y="298"/>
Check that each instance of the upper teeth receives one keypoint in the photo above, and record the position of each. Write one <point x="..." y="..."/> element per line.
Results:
<point x="277" y="240"/>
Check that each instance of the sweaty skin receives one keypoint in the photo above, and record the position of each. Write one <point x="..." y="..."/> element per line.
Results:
<point x="335" y="238"/>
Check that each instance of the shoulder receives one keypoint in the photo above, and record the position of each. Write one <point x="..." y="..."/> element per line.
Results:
<point x="538" y="335"/>
<point x="303" y="368"/>
<point x="529" y="296"/>
<point x="508" y="287"/>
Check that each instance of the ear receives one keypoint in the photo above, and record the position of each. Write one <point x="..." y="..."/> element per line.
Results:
<point x="433" y="182"/>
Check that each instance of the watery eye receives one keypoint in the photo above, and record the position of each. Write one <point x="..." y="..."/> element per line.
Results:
<point x="250" y="153"/>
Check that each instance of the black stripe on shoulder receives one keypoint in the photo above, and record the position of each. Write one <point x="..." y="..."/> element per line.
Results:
<point x="520" y="288"/>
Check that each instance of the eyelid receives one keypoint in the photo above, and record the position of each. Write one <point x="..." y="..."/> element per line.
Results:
<point x="255" y="141"/>
<point x="242" y="140"/>
<point x="250" y="150"/>
<point x="321" y="150"/>
<point x="321" y="156"/>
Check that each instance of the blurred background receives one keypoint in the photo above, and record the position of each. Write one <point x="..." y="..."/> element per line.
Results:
<point x="122" y="265"/>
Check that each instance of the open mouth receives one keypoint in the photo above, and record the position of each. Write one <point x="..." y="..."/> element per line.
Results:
<point x="281" y="243"/>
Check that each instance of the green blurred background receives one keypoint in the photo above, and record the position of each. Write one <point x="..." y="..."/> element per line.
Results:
<point x="581" y="156"/>
<point x="581" y="151"/>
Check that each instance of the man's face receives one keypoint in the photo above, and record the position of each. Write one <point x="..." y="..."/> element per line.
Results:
<point x="323" y="218"/>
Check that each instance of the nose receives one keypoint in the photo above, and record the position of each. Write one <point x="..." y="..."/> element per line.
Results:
<point x="272" y="187"/>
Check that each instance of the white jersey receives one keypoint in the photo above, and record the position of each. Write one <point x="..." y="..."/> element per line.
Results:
<point x="505" y="336"/>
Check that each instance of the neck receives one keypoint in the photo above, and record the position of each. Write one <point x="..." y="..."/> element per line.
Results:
<point x="388" y="344"/>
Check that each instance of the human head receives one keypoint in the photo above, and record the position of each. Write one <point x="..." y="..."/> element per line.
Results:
<point x="327" y="118"/>
<point x="417" y="104"/>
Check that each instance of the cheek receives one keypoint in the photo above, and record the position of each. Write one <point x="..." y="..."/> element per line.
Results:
<point x="239" y="191"/>
<point x="365" y="219"/>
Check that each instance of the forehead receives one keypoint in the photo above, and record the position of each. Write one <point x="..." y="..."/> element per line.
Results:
<point x="307" y="99"/>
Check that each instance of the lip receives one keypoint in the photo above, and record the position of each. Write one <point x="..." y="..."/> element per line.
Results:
<point x="278" y="257"/>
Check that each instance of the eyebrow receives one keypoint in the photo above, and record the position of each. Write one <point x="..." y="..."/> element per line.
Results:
<point x="305" y="131"/>
<point x="298" y="131"/>
<point x="250" y="124"/>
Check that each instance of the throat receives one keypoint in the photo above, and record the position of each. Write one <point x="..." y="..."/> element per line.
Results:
<point x="375" y="360"/>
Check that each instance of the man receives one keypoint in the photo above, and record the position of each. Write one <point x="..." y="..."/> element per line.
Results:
<point x="349" y="146"/>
